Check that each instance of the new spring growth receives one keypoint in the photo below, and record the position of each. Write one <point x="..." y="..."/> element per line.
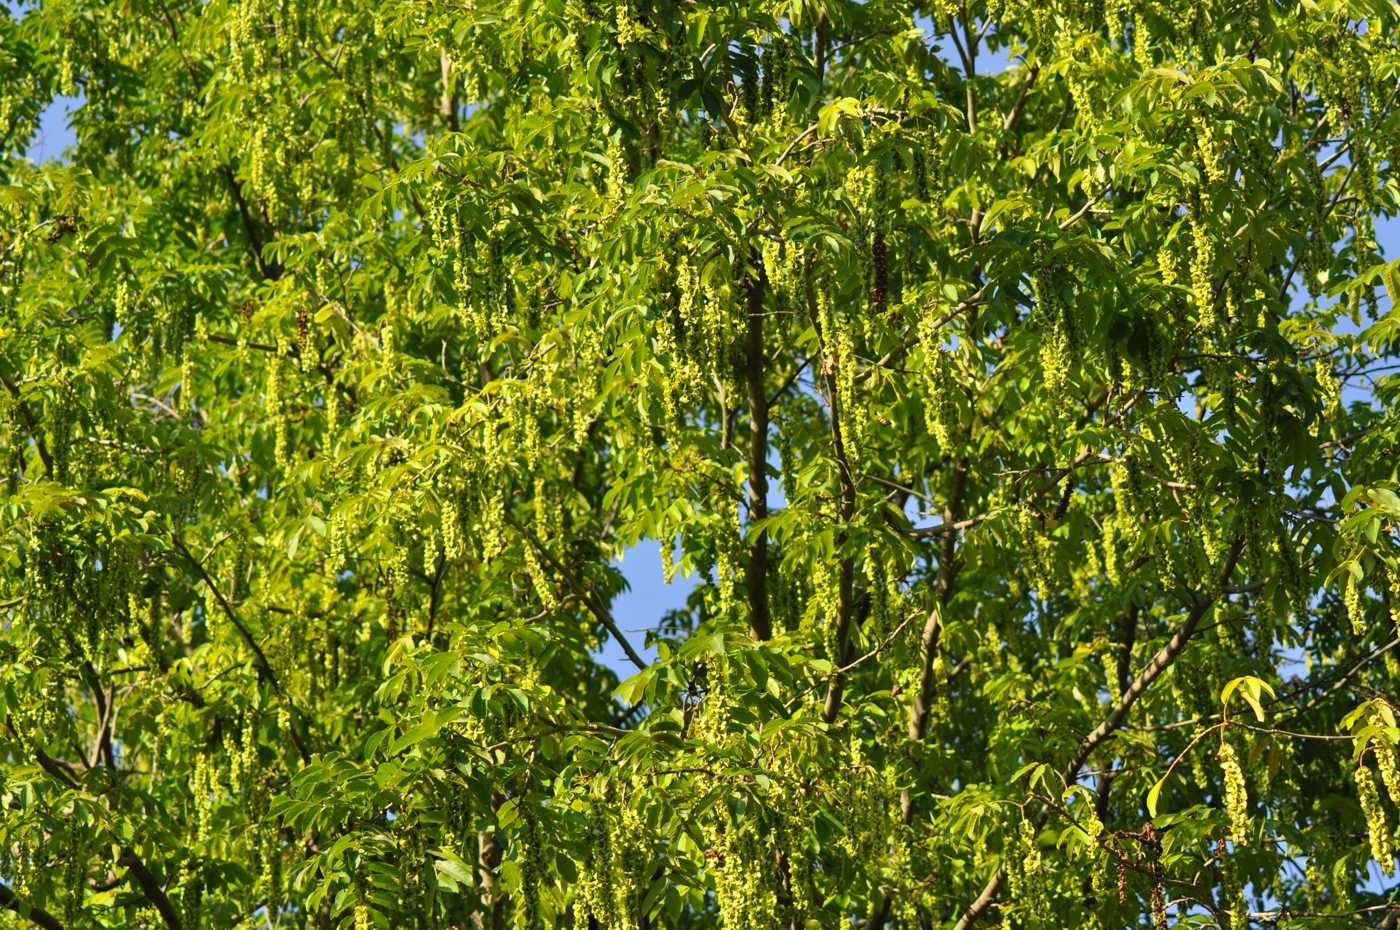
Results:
<point x="1370" y="800"/>
<point x="1356" y="613"/>
<point x="1236" y="797"/>
<point x="1380" y="724"/>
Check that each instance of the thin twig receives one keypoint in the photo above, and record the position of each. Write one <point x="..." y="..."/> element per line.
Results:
<point x="596" y="610"/>
<point x="264" y="666"/>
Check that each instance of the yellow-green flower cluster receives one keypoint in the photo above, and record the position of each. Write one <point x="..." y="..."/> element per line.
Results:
<point x="1236" y="795"/>
<point x="1376" y="826"/>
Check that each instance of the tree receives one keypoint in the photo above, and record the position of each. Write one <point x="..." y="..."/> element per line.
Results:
<point x="1015" y="379"/>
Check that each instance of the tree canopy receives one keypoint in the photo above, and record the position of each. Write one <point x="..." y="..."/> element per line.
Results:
<point x="1016" y="380"/>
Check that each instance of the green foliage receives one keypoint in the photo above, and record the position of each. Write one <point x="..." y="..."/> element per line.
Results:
<point x="1029" y="429"/>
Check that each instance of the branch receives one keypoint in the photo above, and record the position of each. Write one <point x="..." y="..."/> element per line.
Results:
<point x="448" y="103"/>
<point x="260" y="657"/>
<point x="968" y="51"/>
<point x="30" y="423"/>
<point x="435" y="595"/>
<point x="920" y="708"/>
<point x="1391" y="909"/>
<point x="972" y="300"/>
<point x="789" y="382"/>
<point x="65" y="773"/>
<point x="861" y="660"/>
<point x="269" y="270"/>
<point x="947" y="579"/>
<point x="35" y="915"/>
<point x="755" y="363"/>
<point x="105" y="701"/>
<point x="150" y="887"/>
<point x="1154" y="668"/>
<point x="1019" y="106"/>
<point x="594" y="608"/>
<point x="944" y="529"/>
<point x="1329" y="690"/>
<point x="797" y="141"/>
<point x="846" y="571"/>
<point x="1327" y="211"/>
<point x="1150" y="673"/>
<point x="1127" y="636"/>
<point x="145" y="878"/>
<point x="179" y="46"/>
<point x="488" y="861"/>
<point x="1077" y="215"/>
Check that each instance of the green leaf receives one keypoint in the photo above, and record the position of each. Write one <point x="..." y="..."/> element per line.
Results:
<point x="1250" y="689"/>
<point x="1154" y="795"/>
<point x="452" y="874"/>
<point x="507" y="813"/>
